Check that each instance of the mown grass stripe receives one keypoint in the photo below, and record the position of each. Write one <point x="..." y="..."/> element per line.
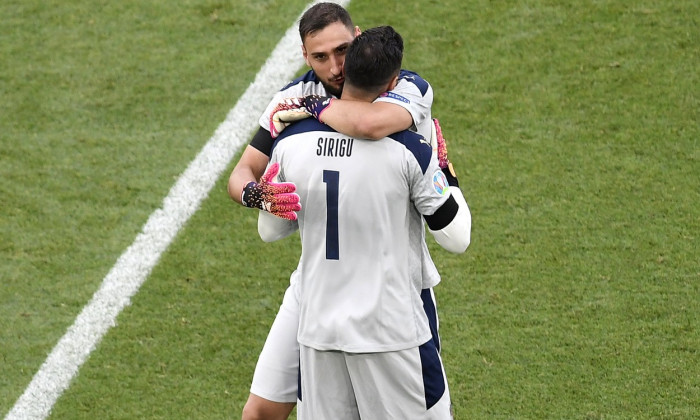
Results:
<point x="135" y="264"/>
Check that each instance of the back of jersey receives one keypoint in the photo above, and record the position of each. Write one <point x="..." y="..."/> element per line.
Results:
<point x="361" y="235"/>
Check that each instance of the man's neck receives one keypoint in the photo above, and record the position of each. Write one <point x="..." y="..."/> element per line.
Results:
<point x="357" y="95"/>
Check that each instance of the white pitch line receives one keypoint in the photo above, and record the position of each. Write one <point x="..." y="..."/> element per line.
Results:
<point x="135" y="264"/>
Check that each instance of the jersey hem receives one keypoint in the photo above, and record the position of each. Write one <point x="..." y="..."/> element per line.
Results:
<point x="368" y="349"/>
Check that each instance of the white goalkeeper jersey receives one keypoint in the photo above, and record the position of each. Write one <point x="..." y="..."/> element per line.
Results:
<point x="362" y="235"/>
<point x="412" y="92"/>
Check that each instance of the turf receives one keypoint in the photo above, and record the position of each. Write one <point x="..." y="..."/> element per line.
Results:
<point x="574" y="131"/>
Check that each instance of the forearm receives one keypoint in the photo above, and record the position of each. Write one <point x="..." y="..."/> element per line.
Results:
<point x="249" y="168"/>
<point x="366" y="120"/>
<point x="451" y="225"/>
<point x="239" y="178"/>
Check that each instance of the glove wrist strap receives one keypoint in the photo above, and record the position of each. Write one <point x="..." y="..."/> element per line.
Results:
<point x="246" y="194"/>
<point x="451" y="175"/>
<point x="317" y="104"/>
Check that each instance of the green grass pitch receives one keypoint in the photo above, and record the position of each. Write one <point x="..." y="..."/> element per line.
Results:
<point x="573" y="127"/>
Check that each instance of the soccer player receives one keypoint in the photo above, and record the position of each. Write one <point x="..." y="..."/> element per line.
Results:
<point x="326" y="30"/>
<point x="366" y="345"/>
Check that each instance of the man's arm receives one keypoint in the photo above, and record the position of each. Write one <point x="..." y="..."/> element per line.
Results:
<point x="250" y="167"/>
<point x="451" y="224"/>
<point x="358" y="119"/>
<point x="406" y="106"/>
<point x="367" y="120"/>
<point x="278" y="198"/>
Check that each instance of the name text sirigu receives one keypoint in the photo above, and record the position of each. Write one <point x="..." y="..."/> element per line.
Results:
<point x="328" y="146"/>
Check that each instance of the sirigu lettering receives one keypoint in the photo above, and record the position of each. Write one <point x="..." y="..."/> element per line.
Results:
<point x="328" y="146"/>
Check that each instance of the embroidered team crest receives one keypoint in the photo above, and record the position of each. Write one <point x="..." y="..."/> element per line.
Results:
<point x="440" y="182"/>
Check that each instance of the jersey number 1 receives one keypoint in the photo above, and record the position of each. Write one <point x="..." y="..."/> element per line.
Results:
<point x="330" y="178"/>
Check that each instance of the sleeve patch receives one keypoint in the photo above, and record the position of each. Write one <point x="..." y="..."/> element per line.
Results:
<point x="440" y="182"/>
<point x="393" y="95"/>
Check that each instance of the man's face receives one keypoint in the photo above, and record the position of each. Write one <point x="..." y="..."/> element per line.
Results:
<point x="324" y="51"/>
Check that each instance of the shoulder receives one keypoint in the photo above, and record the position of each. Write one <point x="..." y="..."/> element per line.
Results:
<point x="307" y="83"/>
<point x="410" y="88"/>
<point x="407" y="76"/>
<point x="418" y="147"/>
<point x="308" y="77"/>
<point x="304" y="126"/>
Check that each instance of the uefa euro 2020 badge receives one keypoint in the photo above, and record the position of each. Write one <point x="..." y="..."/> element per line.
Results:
<point x="440" y="182"/>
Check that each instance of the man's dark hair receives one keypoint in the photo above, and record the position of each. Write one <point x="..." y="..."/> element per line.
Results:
<point x="374" y="58"/>
<point x="321" y="15"/>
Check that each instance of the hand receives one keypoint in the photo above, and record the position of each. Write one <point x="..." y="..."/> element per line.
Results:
<point x="317" y="104"/>
<point x="437" y="141"/>
<point x="285" y="113"/>
<point x="295" y="109"/>
<point x="279" y="199"/>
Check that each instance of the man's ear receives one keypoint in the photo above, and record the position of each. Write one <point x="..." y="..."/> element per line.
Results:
<point x="304" y="53"/>
<point x="393" y="83"/>
<point x="357" y="31"/>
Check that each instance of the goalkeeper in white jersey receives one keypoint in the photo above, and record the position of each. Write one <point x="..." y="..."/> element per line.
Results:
<point x="366" y="346"/>
<point x="326" y="30"/>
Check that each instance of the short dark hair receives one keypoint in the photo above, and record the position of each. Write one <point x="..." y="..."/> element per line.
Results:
<point x="374" y="58"/>
<point x="321" y="15"/>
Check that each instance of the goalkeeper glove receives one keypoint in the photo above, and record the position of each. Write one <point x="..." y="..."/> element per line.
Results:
<point x="440" y="148"/>
<point x="316" y="104"/>
<point x="295" y="109"/>
<point x="279" y="199"/>
<point x="285" y="113"/>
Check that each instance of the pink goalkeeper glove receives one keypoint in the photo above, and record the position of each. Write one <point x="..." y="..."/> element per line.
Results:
<point x="295" y="109"/>
<point x="285" y="113"/>
<point x="279" y="199"/>
<point x="439" y="145"/>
